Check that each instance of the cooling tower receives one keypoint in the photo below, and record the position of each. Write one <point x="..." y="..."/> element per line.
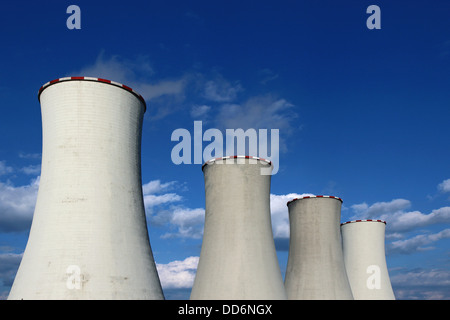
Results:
<point x="315" y="269"/>
<point x="88" y="238"/>
<point x="365" y="260"/>
<point x="238" y="260"/>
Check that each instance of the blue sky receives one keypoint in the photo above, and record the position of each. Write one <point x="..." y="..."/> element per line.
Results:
<point x="362" y="114"/>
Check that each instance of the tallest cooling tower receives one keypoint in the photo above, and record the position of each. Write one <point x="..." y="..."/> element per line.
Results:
<point x="88" y="238"/>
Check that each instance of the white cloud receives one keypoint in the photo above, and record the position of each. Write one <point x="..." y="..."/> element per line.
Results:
<point x="399" y="220"/>
<point x="221" y="90"/>
<point x="422" y="284"/>
<point x="267" y="75"/>
<point x="188" y="223"/>
<point x="9" y="263"/>
<point x="156" y="194"/>
<point x="163" y="208"/>
<point x="260" y="112"/>
<point x="24" y="155"/>
<point x="404" y="221"/>
<point x="153" y="197"/>
<point x="155" y="186"/>
<point x="444" y="186"/>
<point x="4" y="169"/>
<point x="200" y="111"/>
<point x="163" y="87"/>
<point x="417" y="243"/>
<point x="378" y="209"/>
<point x="178" y="274"/>
<point x="32" y="169"/>
<point x="17" y="205"/>
<point x="152" y="200"/>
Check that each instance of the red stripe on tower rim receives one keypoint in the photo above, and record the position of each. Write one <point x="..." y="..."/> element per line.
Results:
<point x="364" y="220"/>
<point x="312" y="197"/>
<point x="236" y="157"/>
<point x="126" y="87"/>
<point x="106" y="81"/>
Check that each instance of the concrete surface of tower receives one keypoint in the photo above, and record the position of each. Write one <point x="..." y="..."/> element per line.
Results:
<point x="365" y="259"/>
<point x="238" y="258"/>
<point x="315" y="268"/>
<point x="89" y="238"/>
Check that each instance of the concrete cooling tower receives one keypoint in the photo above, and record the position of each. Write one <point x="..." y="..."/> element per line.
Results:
<point x="88" y="238"/>
<point x="365" y="260"/>
<point x="315" y="268"/>
<point x="238" y="259"/>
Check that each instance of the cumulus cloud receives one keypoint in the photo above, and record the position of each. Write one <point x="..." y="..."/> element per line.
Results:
<point x="34" y="156"/>
<point x="259" y="112"/>
<point x="188" y="223"/>
<point x="200" y="111"/>
<point x="155" y="186"/>
<point x="267" y="75"/>
<point x="444" y="186"/>
<point x="9" y="263"/>
<point x="422" y="284"/>
<point x="32" y="169"/>
<point x="418" y="243"/>
<point x="178" y="274"/>
<point x="4" y="169"/>
<point x="398" y="219"/>
<point x="378" y="209"/>
<point x="151" y="200"/>
<point x="165" y="208"/>
<point x="164" y="87"/>
<point x="404" y="221"/>
<point x="156" y="195"/>
<point x="17" y="206"/>
<point x="221" y="90"/>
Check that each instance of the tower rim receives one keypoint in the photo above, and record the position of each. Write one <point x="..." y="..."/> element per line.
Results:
<point x="312" y="197"/>
<point x="211" y="161"/>
<point x="92" y="79"/>
<point x="363" y="220"/>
